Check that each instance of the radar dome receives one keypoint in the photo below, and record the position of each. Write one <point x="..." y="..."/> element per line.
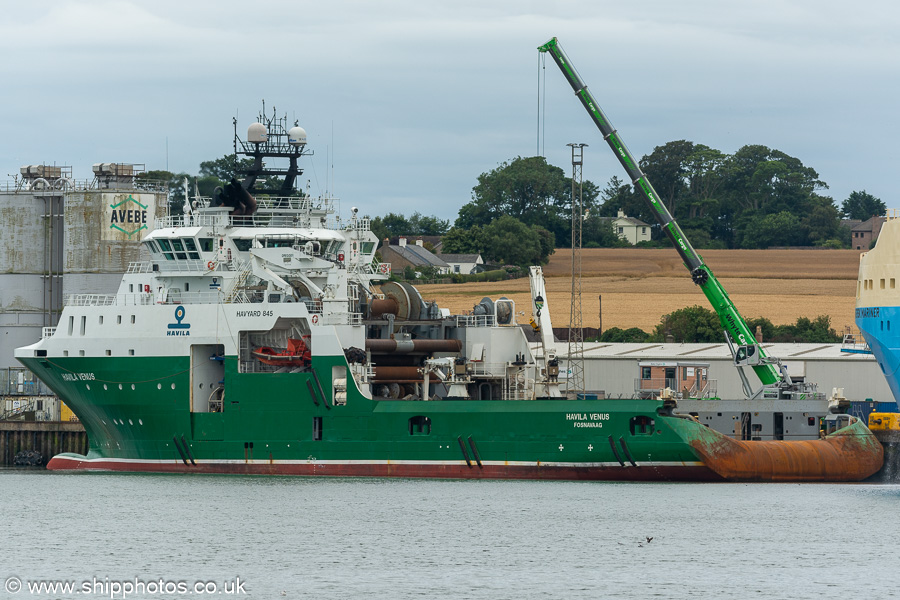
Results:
<point x="297" y="136"/>
<point x="257" y="133"/>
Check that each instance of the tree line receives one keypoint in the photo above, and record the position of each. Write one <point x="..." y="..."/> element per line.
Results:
<point x="520" y="211"/>
<point x="757" y="197"/>
<point x="701" y="325"/>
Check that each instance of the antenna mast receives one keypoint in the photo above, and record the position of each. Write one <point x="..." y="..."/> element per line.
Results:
<point x="575" y="363"/>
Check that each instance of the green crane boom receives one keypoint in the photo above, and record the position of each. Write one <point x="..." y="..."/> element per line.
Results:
<point x="731" y="319"/>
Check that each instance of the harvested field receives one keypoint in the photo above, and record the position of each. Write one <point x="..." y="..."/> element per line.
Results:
<point x="638" y="286"/>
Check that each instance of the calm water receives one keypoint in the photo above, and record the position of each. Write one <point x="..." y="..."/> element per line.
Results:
<point x="374" y="538"/>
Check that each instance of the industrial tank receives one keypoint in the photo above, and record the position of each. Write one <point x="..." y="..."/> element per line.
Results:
<point x="62" y="236"/>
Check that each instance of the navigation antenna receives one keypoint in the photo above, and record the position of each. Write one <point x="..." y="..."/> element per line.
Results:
<point x="575" y="363"/>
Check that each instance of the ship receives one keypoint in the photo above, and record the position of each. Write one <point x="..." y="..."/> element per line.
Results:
<point x="878" y="302"/>
<point x="877" y="312"/>
<point x="262" y="335"/>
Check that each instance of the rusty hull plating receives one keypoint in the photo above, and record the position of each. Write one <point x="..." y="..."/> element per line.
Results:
<point x="849" y="454"/>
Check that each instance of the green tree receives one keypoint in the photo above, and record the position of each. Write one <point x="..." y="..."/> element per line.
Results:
<point x="598" y="232"/>
<point x="207" y="185"/>
<point x="617" y="196"/>
<point x="464" y="241"/>
<point x="691" y="324"/>
<point x="529" y="190"/>
<point x="419" y="224"/>
<point x="547" y="241"/>
<point x="393" y="224"/>
<point x="764" y="325"/>
<point x="780" y="229"/>
<point x="226" y="167"/>
<point x="666" y="168"/>
<point x="822" y="222"/>
<point x="174" y="184"/>
<point x="389" y="225"/>
<point x="806" y="330"/>
<point x="862" y="205"/>
<point x="509" y="241"/>
<point x="618" y="335"/>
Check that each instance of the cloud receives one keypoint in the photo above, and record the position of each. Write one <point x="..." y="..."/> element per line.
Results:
<point x="423" y="97"/>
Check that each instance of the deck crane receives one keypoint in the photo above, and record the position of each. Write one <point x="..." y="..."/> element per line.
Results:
<point x="744" y="348"/>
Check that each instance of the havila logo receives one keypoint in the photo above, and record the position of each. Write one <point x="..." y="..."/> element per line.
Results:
<point x="130" y="219"/>
<point x="179" y="328"/>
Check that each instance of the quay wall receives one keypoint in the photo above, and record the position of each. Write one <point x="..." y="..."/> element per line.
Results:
<point x="47" y="437"/>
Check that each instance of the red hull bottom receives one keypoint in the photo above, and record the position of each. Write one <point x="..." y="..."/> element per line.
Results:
<point x="418" y="470"/>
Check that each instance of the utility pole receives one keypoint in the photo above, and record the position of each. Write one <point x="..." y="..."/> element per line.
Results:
<point x="575" y="362"/>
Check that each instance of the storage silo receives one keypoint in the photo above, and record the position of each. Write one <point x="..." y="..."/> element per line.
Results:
<point x="62" y="236"/>
<point x="105" y="224"/>
<point x="31" y="262"/>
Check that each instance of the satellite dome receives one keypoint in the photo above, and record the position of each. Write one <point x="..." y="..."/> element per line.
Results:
<point x="257" y="133"/>
<point x="297" y="136"/>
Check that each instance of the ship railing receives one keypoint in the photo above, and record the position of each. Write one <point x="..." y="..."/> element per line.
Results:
<point x="139" y="267"/>
<point x="381" y="268"/>
<point x="353" y="224"/>
<point x="486" y="369"/>
<point x="142" y="299"/>
<point x="190" y="265"/>
<point x="176" y="297"/>
<point x="90" y="299"/>
<point x="296" y="203"/>
<point x="475" y="321"/>
<point x="269" y="203"/>
<point x="56" y="185"/>
<point x="654" y="387"/>
<point x="855" y="343"/>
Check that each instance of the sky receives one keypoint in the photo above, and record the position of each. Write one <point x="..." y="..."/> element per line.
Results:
<point x="406" y="103"/>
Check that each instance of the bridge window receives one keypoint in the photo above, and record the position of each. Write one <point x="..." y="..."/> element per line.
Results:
<point x="191" y="248"/>
<point x="179" y="249"/>
<point x="242" y="245"/>
<point x="166" y="249"/>
<point x="206" y="244"/>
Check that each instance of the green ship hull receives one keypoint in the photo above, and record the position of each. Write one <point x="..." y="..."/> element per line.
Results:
<point x="272" y="423"/>
<point x="288" y="424"/>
